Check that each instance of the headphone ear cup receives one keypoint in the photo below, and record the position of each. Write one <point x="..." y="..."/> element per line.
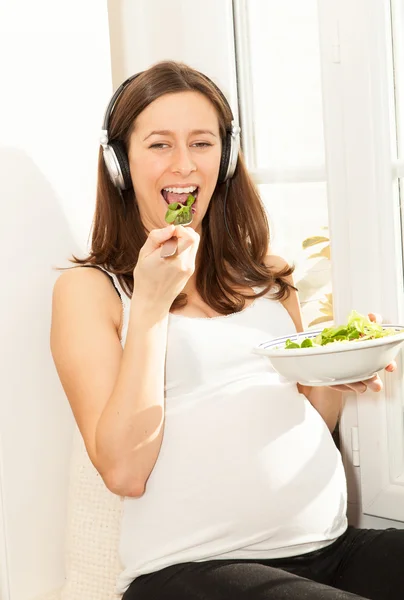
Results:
<point x="224" y="162"/>
<point x="124" y="180"/>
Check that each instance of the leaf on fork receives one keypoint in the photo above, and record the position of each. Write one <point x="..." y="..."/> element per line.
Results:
<point x="171" y="215"/>
<point x="178" y="213"/>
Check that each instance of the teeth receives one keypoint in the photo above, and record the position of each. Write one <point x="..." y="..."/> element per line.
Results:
<point x="175" y="190"/>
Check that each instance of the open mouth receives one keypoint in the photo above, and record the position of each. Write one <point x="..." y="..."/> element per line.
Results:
<point x="174" y="194"/>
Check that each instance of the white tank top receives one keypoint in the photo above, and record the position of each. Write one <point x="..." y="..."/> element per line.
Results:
<point x="247" y="468"/>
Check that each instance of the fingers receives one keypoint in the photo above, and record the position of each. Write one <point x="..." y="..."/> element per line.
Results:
<point x="360" y="387"/>
<point x="375" y="317"/>
<point x="186" y="237"/>
<point x="181" y="238"/>
<point x="340" y="388"/>
<point x="374" y="384"/>
<point x="157" y="237"/>
<point x="392" y="366"/>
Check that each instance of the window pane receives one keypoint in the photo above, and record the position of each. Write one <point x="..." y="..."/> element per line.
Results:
<point x="286" y="83"/>
<point x="397" y="9"/>
<point x="298" y="219"/>
<point x="398" y="51"/>
<point x="397" y="91"/>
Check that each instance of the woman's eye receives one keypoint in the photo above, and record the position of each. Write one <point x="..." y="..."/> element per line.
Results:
<point x="163" y="146"/>
<point x="201" y="144"/>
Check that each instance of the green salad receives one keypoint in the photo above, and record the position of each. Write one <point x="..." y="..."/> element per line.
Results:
<point x="358" y="328"/>
<point x="180" y="213"/>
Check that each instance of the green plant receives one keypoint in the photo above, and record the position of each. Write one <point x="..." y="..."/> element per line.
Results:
<point x="312" y="241"/>
<point x="327" y="309"/>
<point x="326" y="305"/>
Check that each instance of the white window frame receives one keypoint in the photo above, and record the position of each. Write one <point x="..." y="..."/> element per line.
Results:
<point x="367" y="270"/>
<point x="365" y="232"/>
<point x="308" y="174"/>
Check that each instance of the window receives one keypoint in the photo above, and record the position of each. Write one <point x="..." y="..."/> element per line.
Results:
<point x="339" y="67"/>
<point x="280" y="93"/>
<point x="397" y="21"/>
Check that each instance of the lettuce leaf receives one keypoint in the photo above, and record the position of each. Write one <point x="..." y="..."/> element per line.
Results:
<point x="357" y="328"/>
<point x="178" y="213"/>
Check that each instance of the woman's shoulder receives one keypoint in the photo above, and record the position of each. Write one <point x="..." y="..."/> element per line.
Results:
<point x="278" y="264"/>
<point x="84" y="286"/>
<point x="83" y="278"/>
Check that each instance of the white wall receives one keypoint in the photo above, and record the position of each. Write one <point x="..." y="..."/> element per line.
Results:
<point x="55" y="81"/>
<point x="198" y="32"/>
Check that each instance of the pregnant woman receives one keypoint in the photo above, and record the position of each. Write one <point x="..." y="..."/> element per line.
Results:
<point x="232" y="484"/>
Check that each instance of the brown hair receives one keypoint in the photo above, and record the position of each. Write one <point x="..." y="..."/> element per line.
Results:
<point x="225" y="263"/>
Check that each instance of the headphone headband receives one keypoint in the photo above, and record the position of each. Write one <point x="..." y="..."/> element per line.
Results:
<point x="110" y="107"/>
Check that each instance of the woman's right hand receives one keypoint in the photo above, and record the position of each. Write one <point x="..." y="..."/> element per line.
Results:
<point x="159" y="280"/>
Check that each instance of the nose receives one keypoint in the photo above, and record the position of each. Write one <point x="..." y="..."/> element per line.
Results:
<point x="183" y="162"/>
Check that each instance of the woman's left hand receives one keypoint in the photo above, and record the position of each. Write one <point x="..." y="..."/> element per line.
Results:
<point x="374" y="383"/>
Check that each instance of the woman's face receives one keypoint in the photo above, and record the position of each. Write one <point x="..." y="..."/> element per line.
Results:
<point x="175" y="149"/>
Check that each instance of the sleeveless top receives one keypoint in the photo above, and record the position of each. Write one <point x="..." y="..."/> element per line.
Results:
<point x="247" y="468"/>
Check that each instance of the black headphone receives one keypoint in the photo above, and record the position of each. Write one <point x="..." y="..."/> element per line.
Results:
<point x="116" y="159"/>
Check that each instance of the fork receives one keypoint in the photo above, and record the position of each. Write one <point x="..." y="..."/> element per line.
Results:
<point x="170" y="247"/>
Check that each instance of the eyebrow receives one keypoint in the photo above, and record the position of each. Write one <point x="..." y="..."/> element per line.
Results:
<point x="167" y="132"/>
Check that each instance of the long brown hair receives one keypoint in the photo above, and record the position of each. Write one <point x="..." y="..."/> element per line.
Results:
<point x="225" y="263"/>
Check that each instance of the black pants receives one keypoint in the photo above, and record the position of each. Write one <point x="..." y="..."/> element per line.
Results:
<point x="362" y="563"/>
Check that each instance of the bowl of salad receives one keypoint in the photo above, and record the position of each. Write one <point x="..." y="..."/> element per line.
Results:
<point x="336" y="355"/>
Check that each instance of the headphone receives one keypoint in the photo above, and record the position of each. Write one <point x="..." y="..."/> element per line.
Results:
<point x="116" y="159"/>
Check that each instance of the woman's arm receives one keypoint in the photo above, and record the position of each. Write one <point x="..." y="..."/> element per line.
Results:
<point x="326" y="401"/>
<point x="117" y="396"/>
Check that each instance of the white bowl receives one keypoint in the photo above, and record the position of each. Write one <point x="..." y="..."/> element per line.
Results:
<point x="333" y="364"/>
